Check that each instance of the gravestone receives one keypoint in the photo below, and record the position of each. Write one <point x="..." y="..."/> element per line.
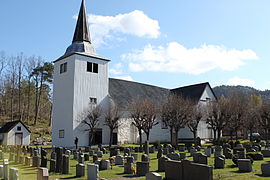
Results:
<point x="59" y="159"/>
<point x="257" y="156"/>
<point x="265" y="167"/>
<point x="86" y="157"/>
<point x="192" y="151"/>
<point x="159" y="154"/>
<point x="80" y="170"/>
<point x="244" y="165"/>
<point x="43" y="162"/>
<point x="65" y="168"/>
<point x="182" y="148"/>
<point x="161" y="163"/>
<point x="5" y="164"/>
<point x="95" y="158"/>
<point x="208" y="151"/>
<point x="219" y="163"/>
<point x="266" y="153"/>
<point x="43" y="174"/>
<point x="128" y="168"/>
<point x="182" y="155"/>
<point x="174" y="156"/>
<point x="130" y="159"/>
<point x="135" y="156"/>
<point x="142" y="168"/>
<point x="202" y="159"/>
<point x="53" y="155"/>
<point x="100" y="154"/>
<point x="127" y="151"/>
<point x="104" y="164"/>
<point x="52" y="165"/>
<point x="153" y="176"/>
<point x="81" y="159"/>
<point x="91" y="152"/>
<point x="92" y="172"/>
<point x="241" y="154"/>
<point x="145" y="158"/>
<point x="119" y="160"/>
<point x="1" y="171"/>
<point x="76" y="155"/>
<point x="13" y="174"/>
<point x="28" y="161"/>
<point x="196" y="157"/>
<point x="165" y="151"/>
<point x="36" y="161"/>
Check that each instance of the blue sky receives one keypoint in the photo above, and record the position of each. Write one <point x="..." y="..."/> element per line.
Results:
<point x="164" y="43"/>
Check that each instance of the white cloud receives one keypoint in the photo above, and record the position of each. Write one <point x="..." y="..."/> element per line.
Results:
<point x="127" y="78"/>
<point x="240" y="81"/>
<point x="116" y="69"/>
<point x="136" y="23"/>
<point x="177" y="58"/>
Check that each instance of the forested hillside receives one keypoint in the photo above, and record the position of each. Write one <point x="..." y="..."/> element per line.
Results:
<point x="227" y="90"/>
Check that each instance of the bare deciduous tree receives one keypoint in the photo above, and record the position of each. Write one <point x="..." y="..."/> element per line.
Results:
<point x="218" y="116"/>
<point x="236" y="109"/>
<point x="194" y="120"/>
<point x="175" y="112"/>
<point x="112" y="118"/>
<point x="265" y="118"/>
<point x="252" y="114"/>
<point x="143" y="114"/>
<point x="91" y="117"/>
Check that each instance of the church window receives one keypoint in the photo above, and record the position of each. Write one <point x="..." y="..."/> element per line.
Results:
<point x="61" y="133"/>
<point x="19" y="128"/>
<point x="95" y="68"/>
<point x="89" y="66"/>
<point x="63" y="68"/>
<point x="92" y="67"/>
<point x="93" y="100"/>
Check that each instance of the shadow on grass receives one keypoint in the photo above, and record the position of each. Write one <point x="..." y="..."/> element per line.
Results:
<point x="71" y="177"/>
<point x="127" y="175"/>
<point x="260" y="175"/>
<point x="240" y="172"/>
<point x="232" y="166"/>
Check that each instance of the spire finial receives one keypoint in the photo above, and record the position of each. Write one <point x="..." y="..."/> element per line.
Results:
<point x="82" y="32"/>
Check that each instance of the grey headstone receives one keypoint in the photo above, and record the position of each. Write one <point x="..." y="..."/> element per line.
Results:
<point x="244" y="165"/>
<point x="80" y="168"/>
<point x="265" y="167"/>
<point x="219" y="163"/>
<point x="142" y="168"/>
<point x="92" y="172"/>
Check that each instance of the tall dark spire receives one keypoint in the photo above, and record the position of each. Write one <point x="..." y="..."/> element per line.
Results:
<point x="82" y="32"/>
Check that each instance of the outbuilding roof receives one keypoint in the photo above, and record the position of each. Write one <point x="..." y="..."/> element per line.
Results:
<point x="10" y="125"/>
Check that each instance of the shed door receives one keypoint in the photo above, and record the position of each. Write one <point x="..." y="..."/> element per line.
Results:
<point x="18" y="138"/>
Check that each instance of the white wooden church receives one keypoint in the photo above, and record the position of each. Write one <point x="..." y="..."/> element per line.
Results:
<point x="81" y="77"/>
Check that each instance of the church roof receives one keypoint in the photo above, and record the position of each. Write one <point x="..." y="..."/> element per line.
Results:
<point x="193" y="92"/>
<point x="123" y="92"/>
<point x="82" y="32"/>
<point x="81" y="42"/>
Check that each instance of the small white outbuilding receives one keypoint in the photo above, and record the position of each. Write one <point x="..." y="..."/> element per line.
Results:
<point x="15" y="133"/>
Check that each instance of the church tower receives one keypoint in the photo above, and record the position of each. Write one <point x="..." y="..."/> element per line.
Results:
<point x="80" y="79"/>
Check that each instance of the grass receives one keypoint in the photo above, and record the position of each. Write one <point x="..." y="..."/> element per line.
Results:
<point x="229" y="173"/>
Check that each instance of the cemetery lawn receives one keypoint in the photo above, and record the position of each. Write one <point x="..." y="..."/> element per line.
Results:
<point x="229" y="173"/>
